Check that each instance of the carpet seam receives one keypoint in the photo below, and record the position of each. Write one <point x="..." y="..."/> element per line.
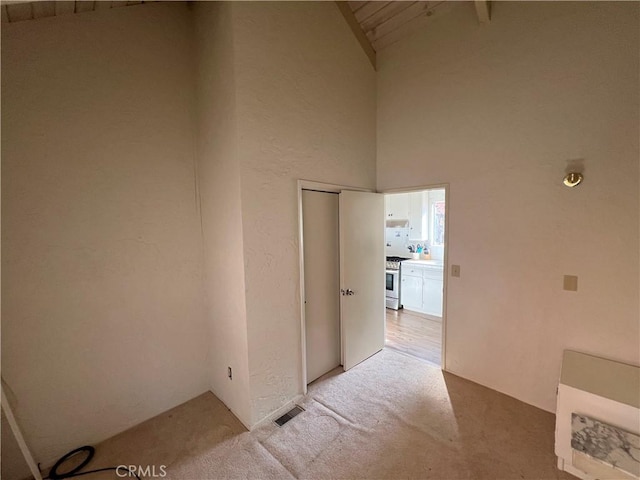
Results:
<point x="277" y="461"/>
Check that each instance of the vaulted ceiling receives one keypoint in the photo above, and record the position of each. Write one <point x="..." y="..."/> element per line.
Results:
<point x="17" y="11"/>
<point x="375" y="24"/>
<point x="380" y="19"/>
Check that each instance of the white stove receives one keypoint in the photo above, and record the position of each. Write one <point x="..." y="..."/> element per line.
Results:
<point x="393" y="298"/>
<point x="393" y="263"/>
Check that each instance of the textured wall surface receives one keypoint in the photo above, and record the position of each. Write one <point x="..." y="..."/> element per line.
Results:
<point x="102" y="312"/>
<point x="105" y="115"/>
<point x="496" y="111"/>
<point x="306" y="110"/>
<point x="219" y="182"/>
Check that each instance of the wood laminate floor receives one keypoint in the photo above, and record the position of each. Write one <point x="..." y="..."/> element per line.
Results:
<point x="415" y="333"/>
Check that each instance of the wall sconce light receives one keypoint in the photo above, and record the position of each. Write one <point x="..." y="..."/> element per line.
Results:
<point x="572" y="179"/>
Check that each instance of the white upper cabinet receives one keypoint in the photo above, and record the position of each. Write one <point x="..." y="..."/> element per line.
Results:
<point x="416" y="216"/>
<point x="410" y="207"/>
<point x="397" y="206"/>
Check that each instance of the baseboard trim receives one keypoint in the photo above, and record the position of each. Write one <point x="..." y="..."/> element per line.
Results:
<point x="278" y="412"/>
<point x="235" y="414"/>
<point x="495" y="389"/>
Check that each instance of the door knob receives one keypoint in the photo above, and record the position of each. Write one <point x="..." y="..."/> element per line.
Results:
<point x="347" y="292"/>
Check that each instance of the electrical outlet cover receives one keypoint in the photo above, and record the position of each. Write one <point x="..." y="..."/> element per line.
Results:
<point x="570" y="283"/>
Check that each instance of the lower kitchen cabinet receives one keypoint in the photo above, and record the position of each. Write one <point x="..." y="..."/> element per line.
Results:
<point x="411" y="292"/>
<point x="422" y="289"/>
<point x="432" y="296"/>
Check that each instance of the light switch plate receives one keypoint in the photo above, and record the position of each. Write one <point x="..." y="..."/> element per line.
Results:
<point x="570" y="283"/>
<point x="455" y="270"/>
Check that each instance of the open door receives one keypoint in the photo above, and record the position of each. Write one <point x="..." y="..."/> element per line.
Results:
<point x="362" y="281"/>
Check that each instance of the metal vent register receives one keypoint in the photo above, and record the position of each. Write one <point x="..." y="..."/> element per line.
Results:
<point x="289" y="415"/>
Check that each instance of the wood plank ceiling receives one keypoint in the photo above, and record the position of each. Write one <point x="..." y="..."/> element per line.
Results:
<point x="381" y="21"/>
<point x="375" y="24"/>
<point x="20" y="11"/>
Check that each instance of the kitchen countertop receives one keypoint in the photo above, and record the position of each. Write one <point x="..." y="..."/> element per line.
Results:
<point x="425" y="263"/>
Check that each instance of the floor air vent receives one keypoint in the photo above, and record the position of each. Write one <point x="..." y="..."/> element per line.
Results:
<point x="289" y="415"/>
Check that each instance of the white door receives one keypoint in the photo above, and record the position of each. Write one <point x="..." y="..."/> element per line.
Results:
<point x="362" y="275"/>
<point x="322" y="282"/>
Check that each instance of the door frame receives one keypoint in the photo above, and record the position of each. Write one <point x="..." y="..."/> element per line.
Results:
<point x="446" y="186"/>
<point x="327" y="188"/>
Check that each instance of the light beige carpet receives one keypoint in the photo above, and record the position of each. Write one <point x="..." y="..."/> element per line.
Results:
<point x="391" y="417"/>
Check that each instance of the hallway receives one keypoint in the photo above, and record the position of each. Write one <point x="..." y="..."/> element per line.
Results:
<point x="415" y="334"/>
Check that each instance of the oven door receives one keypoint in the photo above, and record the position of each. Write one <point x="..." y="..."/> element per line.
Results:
<point x="393" y="283"/>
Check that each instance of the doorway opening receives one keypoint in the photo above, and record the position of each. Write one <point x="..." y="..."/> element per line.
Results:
<point x="341" y="283"/>
<point x="416" y="252"/>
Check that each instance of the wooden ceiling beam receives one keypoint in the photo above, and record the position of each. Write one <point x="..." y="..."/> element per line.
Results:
<point x="353" y="23"/>
<point x="20" y="10"/>
<point x="384" y="14"/>
<point x="17" y="12"/>
<point x="416" y="9"/>
<point x="369" y="9"/>
<point x="483" y="9"/>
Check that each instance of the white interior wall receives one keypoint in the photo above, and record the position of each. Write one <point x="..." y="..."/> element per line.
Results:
<point x="102" y="312"/>
<point x="101" y="235"/>
<point x="496" y="111"/>
<point x="102" y="114"/>
<point x="219" y="186"/>
<point x="306" y="110"/>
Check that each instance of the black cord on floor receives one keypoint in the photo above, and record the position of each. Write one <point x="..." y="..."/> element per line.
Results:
<point x="75" y="472"/>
